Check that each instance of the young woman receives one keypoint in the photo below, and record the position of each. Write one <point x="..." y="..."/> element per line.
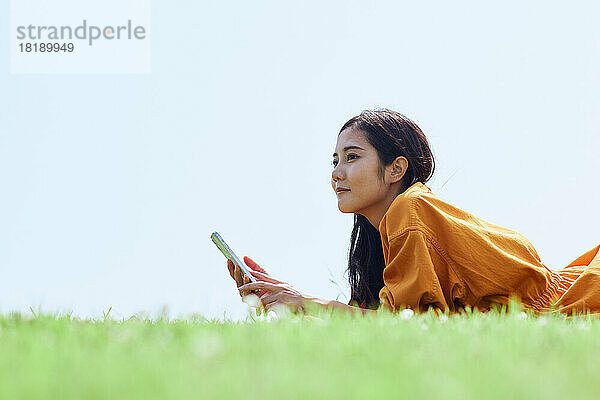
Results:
<point x="409" y="249"/>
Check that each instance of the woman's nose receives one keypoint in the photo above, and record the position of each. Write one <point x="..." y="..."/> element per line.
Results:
<point x="335" y="176"/>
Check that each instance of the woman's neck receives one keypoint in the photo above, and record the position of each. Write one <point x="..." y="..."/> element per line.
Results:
<point x="376" y="212"/>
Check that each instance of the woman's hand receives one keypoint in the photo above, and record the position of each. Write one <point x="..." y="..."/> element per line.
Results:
<point x="260" y="274"/>
<point x="277" y="293"/>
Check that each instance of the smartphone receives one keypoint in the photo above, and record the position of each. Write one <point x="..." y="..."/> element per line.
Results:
<point x="230" y="255"/>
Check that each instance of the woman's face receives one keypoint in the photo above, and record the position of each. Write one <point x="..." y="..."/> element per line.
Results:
<point x="355" y="166"/>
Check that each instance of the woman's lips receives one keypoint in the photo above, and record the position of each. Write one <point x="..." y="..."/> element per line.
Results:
<point x="342" y="191"/>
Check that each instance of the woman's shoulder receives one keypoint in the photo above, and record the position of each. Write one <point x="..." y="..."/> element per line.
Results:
<point x="418" y="208"/>
<point x="403" y="213"/>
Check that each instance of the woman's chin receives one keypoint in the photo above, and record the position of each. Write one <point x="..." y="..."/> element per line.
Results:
<point x="344" y="208"/>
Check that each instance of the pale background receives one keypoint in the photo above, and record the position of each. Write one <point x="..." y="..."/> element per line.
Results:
<point x="112" y="184"/>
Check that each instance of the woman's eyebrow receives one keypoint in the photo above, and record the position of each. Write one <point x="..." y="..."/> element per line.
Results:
<point x="348" y="148"/>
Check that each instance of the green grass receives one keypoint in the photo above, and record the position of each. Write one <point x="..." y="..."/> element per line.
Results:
<point x="496" y="355"/>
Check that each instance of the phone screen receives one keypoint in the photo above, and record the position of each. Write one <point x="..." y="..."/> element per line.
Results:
<point x="229" y="254"/>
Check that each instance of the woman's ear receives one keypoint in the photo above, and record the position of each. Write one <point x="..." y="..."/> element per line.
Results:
<point x="398" y="169"/>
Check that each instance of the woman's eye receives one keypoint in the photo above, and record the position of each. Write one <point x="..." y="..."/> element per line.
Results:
<point x="347" y="157"/>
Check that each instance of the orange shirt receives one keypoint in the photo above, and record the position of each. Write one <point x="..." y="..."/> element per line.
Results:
<point x="439" y="255"/>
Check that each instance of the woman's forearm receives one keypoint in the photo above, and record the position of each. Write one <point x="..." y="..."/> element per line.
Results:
<point x="336" y="305"/>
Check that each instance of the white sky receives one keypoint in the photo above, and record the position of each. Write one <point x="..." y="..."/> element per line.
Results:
<point x="112" y="184"/>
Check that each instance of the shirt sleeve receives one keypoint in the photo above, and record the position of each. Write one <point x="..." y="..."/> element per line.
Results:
<point x="409" y="277"/>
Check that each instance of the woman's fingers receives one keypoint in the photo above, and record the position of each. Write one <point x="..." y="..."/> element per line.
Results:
<point x="230" y="267"/>
<point x="236" y="273"/>
<point x="249" y="262"/>
<point x="239" y="276"/>
<point x="259" y="292"/>
<point x="268" y="299"/>
<point x="266" y="278"/>
<point x="259" y="272"/>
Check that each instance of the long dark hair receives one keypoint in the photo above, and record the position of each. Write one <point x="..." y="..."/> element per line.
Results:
<point x="392" y="135"/>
